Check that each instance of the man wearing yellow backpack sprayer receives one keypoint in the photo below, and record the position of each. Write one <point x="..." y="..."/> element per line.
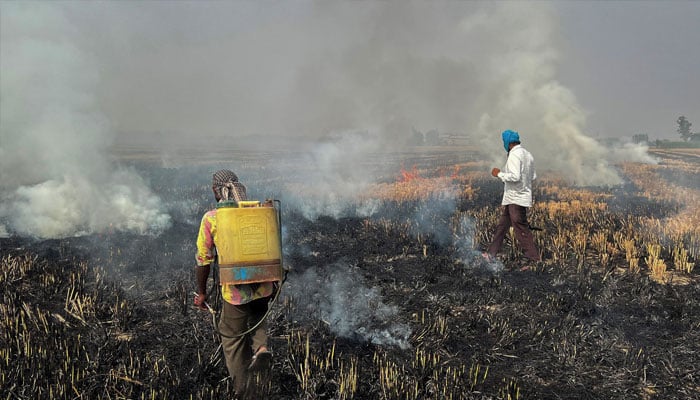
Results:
<point x="244" y="304"/>
<point x="517" y="176"/>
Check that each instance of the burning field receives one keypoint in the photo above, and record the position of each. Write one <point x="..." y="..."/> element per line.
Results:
<point x="387" y="295"/>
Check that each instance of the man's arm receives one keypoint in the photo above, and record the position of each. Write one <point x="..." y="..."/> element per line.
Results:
<point x="514" y="167"/>
<point x="205" y="244"/>
<point x="202" y="273"/>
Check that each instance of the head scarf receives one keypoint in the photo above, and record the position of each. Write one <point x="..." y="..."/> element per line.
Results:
<point x="509" y="137"/>
<point x="226" y="186"/>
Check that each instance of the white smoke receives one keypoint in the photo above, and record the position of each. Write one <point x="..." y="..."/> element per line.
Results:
<point x="242" y="70"/>
<point x="466" y="250"/>
<point x="339" y="296"/>
<point x="474" y="68"/>
<point x="77" y="206"/>
<point x="527" y="97"/>
<point x="433" y="217"/>
<point x="334" y="173"/>
<point x="56" y="179"/>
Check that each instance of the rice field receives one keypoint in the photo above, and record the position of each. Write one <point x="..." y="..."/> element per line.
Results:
<point x="387" y="296"/>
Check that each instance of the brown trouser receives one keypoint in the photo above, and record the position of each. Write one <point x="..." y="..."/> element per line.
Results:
<point x="515" y="216"/>
<point x="238" y="351"/>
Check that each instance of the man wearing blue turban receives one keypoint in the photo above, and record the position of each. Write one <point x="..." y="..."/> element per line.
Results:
<point x="517" y="176"/>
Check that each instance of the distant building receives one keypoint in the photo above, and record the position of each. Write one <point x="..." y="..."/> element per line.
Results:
<point x="640" y="139"/>
<point x="454" y="139"/>
<point x="436" y="138"/>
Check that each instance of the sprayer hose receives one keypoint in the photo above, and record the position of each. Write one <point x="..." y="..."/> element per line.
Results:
<point x="216" y="314"/>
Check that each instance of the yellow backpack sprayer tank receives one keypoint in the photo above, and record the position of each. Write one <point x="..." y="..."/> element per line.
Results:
<point x="249" y="244"/>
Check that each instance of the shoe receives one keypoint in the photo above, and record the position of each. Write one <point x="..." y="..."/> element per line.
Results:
<point x="261" y="360"/>
<point x="525" y="268"/>
<point x="488" y="257"/>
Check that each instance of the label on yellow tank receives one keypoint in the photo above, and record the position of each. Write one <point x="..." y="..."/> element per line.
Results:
<point x="253" y="235"/>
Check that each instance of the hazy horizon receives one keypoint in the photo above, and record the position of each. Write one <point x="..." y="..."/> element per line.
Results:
<point x="338" y="80"/>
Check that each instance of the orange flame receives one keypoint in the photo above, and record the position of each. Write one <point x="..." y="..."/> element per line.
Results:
<point x="455" y="173"/>
<point x="408" y="176"/>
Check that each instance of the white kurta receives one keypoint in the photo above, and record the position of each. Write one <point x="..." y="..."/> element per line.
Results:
<point x="518" y="175"/>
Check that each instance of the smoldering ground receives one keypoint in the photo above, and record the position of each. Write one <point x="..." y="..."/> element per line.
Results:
<point x="337" y="295"/>
<point x="354" y="309"/>
<point x="403" y="286"/>
<point x="404" y="304"/>
<point x="337" y="100"/>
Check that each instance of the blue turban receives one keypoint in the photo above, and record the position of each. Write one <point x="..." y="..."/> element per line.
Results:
<point x="509" y="137"/>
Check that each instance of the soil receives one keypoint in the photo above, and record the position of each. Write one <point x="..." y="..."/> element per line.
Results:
<point x="557" y="331"/>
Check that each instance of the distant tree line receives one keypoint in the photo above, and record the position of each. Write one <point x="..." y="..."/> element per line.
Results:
<point x="434" y="138"/>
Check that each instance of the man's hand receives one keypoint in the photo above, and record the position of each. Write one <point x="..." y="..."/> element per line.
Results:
<point x="495" y="172"/>
<point x="200" y="300"/>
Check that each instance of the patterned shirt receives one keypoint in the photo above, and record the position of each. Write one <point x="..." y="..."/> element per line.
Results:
<point x="234" y="294"/>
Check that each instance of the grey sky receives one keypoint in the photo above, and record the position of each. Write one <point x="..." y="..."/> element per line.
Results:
<point x="634" y="65"/>
<point x="631" y="64"/>
<point x="184" y="69"/>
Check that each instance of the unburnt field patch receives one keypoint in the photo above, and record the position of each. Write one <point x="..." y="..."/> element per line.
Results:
<point x="387" y="297"/>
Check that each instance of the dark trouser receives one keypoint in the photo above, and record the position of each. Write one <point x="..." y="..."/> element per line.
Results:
<point x="515" y="216"/>
<point x="238" y="351"/>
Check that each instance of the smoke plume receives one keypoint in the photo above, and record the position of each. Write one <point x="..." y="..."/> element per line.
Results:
<point x="337" y="295"/>
<point x="527" y="97"/>
<point x="56" y="179"/>
<point x="211" y="74"/>
<point x="332" y="173"/>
